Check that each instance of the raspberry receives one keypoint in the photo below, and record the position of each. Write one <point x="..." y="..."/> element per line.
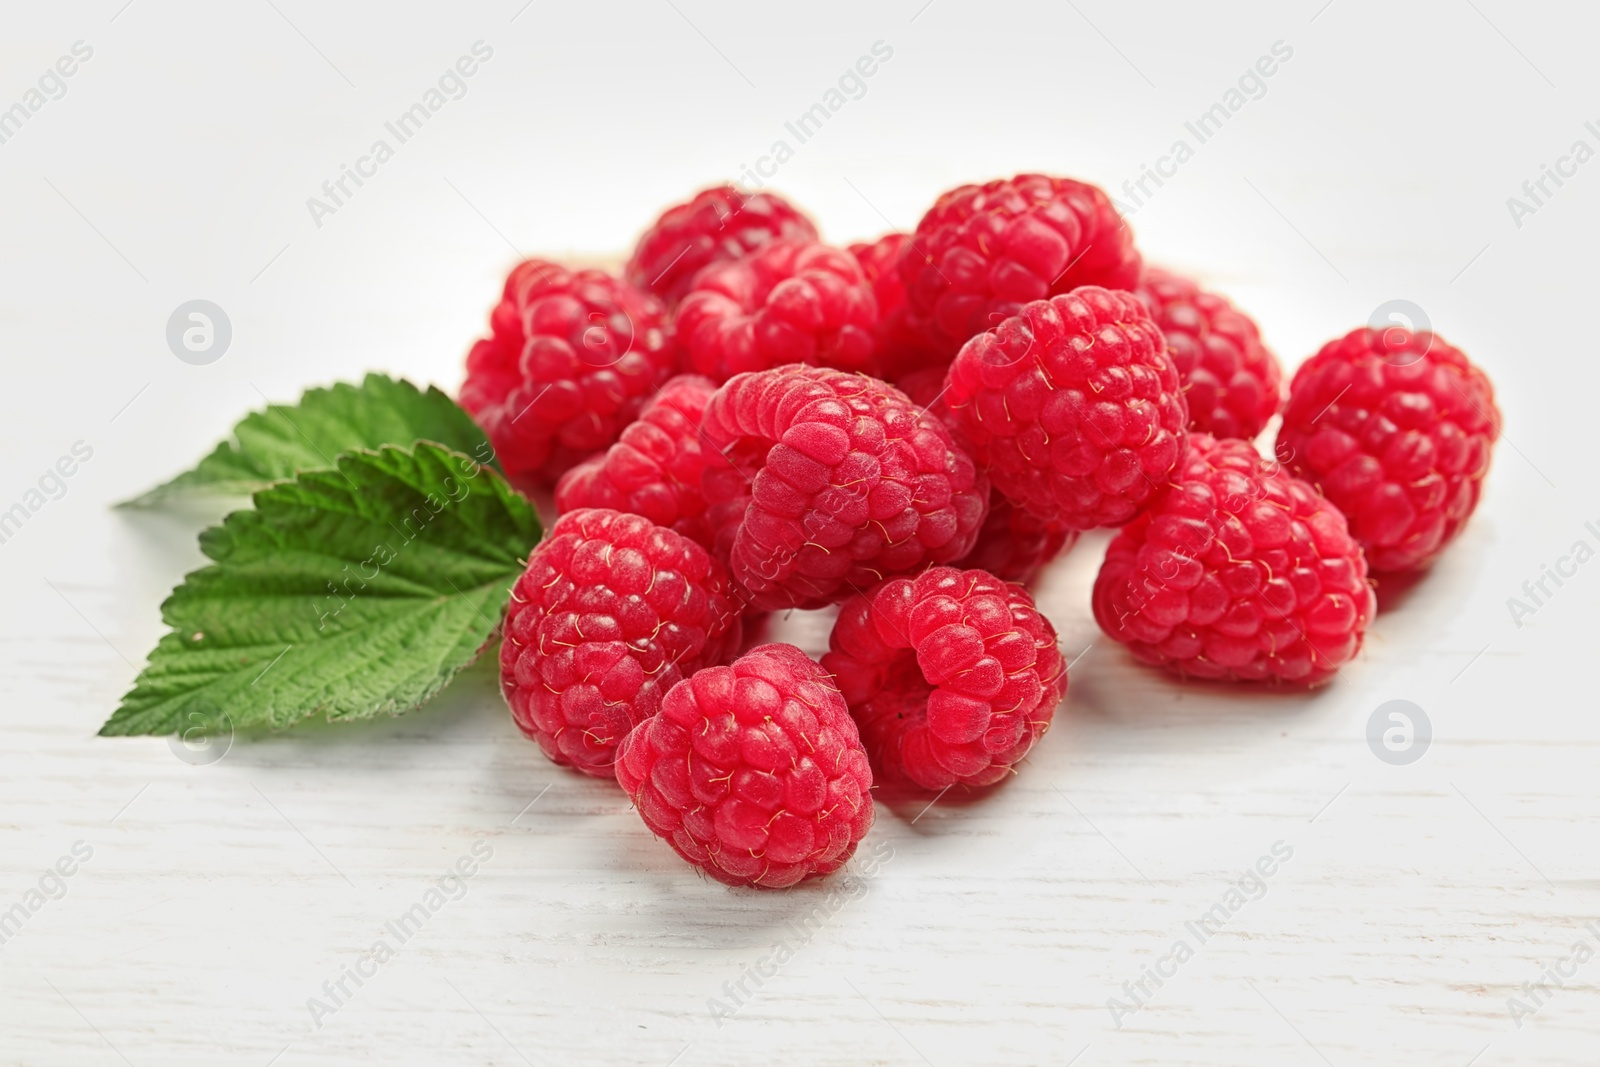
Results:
<point x="902" y="348"/>
<point x="1397" y="429"/>
<point x="785" y="302"/>
<point x="753" y="772"/>
<point x="1232" y="382"/>
<point x="982" y="251"/>
<point x="611" y="612"/>
<point x="1013" y="545"/>
<point x="951" y="675"/>
<point x="655" y="467"/>
<point x="718" y="224"/>
<point x="572" y="357"/>
<point x="1072" y="407"/>
<point x="1239" y="571"/>
<point x="852" y="484"/>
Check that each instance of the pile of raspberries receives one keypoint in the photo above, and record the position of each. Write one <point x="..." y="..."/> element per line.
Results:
<point x="748" y="420"/>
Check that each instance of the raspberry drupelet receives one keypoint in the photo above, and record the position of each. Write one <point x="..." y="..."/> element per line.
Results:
<point x="952" y="676"/>
<point x="1072" y="407"/>
<point x="849" y="483"/>
<point x="611" y="612"/>
<point x="572" y="357"/>
<point x="983" y="251"/>
<point x="1397" y="429"/>
<point x="1238" y="572"/>
<point x="753" y="772"/>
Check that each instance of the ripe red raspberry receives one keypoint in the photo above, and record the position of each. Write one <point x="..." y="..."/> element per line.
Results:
<point x="1013" y="545"/>
<point x="753" y="772"/>
<point x="718" y="224"/>
<point x="655" y="467"/>
<point x="982" y="251"/>
<point x="1239" y="572"/>
<point x="572" y="357"/>
<point x="855" y="484"/>
<point x="902" y="347"/>
<point x="1072" y="407"/>
<point x="611" y="612"/>
<point x="1232" y="382"/>
<point x="951" y="675"/>
<point x="785" y="302"/>
<point x="1397" y="428"/>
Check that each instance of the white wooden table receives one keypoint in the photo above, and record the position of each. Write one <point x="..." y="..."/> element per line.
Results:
<point x="209" y="902"/>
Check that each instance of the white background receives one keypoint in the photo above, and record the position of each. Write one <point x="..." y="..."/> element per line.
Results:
<point x="219" y="898"/>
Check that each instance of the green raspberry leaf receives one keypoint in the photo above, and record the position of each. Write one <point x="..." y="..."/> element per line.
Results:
<point x="347" y="593"/>
<point x="285" y="440"/>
